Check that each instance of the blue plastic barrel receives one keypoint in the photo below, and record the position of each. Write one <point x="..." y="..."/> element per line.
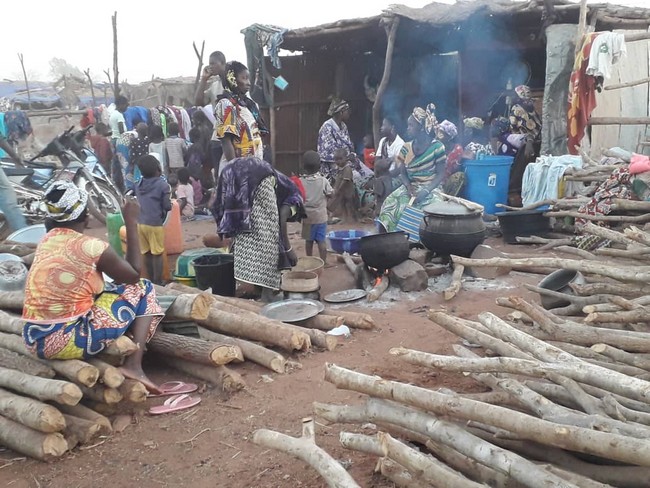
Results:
<point x="487" y="181"/>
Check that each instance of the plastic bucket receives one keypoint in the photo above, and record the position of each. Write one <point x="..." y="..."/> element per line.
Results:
<point x="487" y="181"/>
<point x="216" y="271"/>
<point x="281" y="83"/>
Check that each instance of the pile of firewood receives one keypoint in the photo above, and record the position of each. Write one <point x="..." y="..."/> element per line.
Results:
<point x="556" y="414"/>
<point x="41" y="409"/>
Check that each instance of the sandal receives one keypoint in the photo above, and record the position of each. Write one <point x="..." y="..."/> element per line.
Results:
<point x="174" y="388"/>
<point x="175" y="404"/>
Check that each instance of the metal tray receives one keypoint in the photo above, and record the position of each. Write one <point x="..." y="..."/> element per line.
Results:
<point x="291" y="311"/>
<point x="345" y="296"/>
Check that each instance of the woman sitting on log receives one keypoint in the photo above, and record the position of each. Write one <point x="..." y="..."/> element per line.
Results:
<point x="70" y="312"/>
<point x="447" y="133"/>
<point x="253" y="204"/>
<point x="421" y="168"/>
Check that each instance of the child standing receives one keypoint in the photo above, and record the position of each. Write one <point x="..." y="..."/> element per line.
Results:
<point x="157" y="145"/>
<point x="317" y="191"/>
<point x="345" y="201"/>
<point x="185" y="194"/>
<point x="153" y="195"/>
<point x="175" y="148"/>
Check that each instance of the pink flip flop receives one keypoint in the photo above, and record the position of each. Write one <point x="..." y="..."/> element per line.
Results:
<point x="174" y="388"/>
<point x="175" y="404"/>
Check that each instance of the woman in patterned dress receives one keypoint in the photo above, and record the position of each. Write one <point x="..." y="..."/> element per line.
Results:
<point x="253" y="205"/>
<point x="421" y="166"/>
<point x="239" y="125"/>
<point x="334" y="135"/>
<point x="70" y="312"/>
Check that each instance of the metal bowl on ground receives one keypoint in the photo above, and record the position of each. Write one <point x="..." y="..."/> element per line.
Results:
<point x="559" y="281"/>
<point x="385" y="251"/>
<point x="309" y="263"/>
<point x="294" y="295"/>
<point x="300" y="282"/>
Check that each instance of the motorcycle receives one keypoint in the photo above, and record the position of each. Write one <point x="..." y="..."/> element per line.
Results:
<point x="79" y="166"/>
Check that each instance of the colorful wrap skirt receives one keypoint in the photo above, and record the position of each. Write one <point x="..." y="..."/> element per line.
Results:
<point x="112" y="314"/>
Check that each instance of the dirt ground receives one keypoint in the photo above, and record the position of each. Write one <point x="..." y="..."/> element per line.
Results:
<point x="210" y="446"/>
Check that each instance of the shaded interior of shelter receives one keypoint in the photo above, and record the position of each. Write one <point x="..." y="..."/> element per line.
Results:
<point x="463" y="67"/>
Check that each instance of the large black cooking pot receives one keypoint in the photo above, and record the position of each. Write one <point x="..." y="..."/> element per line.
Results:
<point x="451" y="228"/>
<point x="384" y="251"/>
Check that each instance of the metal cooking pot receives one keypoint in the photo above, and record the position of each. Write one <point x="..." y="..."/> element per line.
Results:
<point x="451" y="228"/>
<point x="385" y="251"/>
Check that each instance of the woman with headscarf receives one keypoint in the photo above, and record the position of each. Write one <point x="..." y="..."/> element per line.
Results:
<point x="70" y="312"/>
<point x="239" y="125"/>
<point x="334" y="135"/>
<point x="454" y="179"/>
<point x="475" y="140"/>
<point x="524" y="121"/>
<point x="421" y="165"/>
<point x="253" y="205"/>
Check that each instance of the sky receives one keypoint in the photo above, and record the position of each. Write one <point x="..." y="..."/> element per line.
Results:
<point x="155" y="41"/>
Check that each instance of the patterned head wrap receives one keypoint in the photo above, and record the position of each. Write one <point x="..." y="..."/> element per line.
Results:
<point x="71" y="204"/>
<point x="426" y="117"/>
<point x="473" y="123"/>
<point x="233" y="68"/>
<point x="337" y="106"/>
<point x="523" y="92"/>
<point x="447" y="129"/>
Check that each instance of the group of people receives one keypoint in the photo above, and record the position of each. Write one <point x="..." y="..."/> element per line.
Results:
<point x="408" y="173"/>
<point x="252" y="204"/>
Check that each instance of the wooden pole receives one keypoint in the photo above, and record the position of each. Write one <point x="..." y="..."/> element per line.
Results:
<point x="200" y="57"/>
<point x="619" y="121"/>
<point x="116" y="73"/>
<point x="383" y="85"/>
<point x="92" y="88"/>
<point x="627" y="84"/>
<point x="582" y="25"/>
<point x="22" y="65"/>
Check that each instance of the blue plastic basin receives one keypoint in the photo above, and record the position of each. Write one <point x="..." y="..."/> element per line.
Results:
<point x="346" y="240"/>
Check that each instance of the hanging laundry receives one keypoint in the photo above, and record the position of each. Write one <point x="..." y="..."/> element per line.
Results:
<point x="542" y="178"/>
<point x="134" y="115"/>
<point x="606" y="50"/>
<point x="582" y="95"/>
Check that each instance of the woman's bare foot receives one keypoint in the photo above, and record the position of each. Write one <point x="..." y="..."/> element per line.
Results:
<point x="137" y="374"/>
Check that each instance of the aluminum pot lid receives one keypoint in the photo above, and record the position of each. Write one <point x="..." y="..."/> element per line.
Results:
<point x="447" y="208"/>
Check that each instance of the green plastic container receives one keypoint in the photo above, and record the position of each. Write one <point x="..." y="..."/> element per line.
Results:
<point x="114" y="222"/>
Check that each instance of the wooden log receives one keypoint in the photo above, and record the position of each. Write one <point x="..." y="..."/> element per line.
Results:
<point x="133" y="391"/>
<point x="476" y="334"/>
<point x="10" y="323"/>
<point x="622" y="356"/>
<point x="576" y="333"/>
<point x="531" y="206"/>
<point x="581" y="253"/>
<point x="16" y="248"/>
<point x="40" y="388"/>
<point x="399" y="475"/>
<point x="322" y="322"/>
<point x="616" y="410"/>
<point x="305" y="449"/>
<point x="71" y="369"/>
<point x="31" y="413"/>
<point x="379" y="411"/>
<point x="361" y="443"/>
<point x="637" y="234"/>
<point x="13" y="360"/>
<point x="629" y="450"/>
<point x="102" y="408"/>
<point x="614" y="304"/>
<point x="621" y="316"/>
<point x="12" y="300"/>
<point x="83" y="412"/>
<point x="101" y="394"/>
<point x="81" y="429"/>
<point x="639" y="274"/>
<point x="634" y="255"/>
<point x="110" y="375"/>
<point x="576" y="479"/>
<point x="378" y="289"/>
<point x="29" y="442"/>
<point x="470" y="467"/>
<point x="574" y="299"/>
<point x="252" y="352"/>
<point x="354" y="320"/>
<point x="122" y="346"/>
<point x="456" y="282"/>
<point x="622" y="476"/>
<point x="257" y="328"/>
<point x="195" y="350"/>
<point x="190" y="307"/>
<point x="426" y="467"/>
<point x="317" y="337"/>
<point x="224" y="378"/>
